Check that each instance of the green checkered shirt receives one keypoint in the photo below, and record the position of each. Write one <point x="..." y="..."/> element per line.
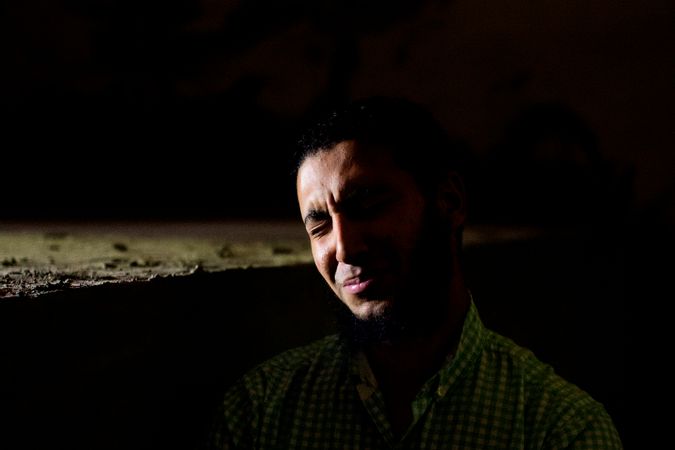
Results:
<point x="491" y="395"/>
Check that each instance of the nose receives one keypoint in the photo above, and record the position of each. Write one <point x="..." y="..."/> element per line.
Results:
<point x="350" y="243"/>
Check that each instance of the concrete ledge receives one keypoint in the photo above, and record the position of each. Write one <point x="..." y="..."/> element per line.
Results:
<point x="39" y="258"/>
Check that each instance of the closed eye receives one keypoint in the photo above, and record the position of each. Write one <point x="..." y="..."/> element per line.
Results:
<point x="316" y="222"/>
<point x="318" y="230"/>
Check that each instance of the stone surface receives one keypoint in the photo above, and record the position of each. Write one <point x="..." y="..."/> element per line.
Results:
<point x="40" y="258"/>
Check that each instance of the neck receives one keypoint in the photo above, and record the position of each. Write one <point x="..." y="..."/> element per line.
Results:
<point x="416" y="358"/>
<point x="401" y="368"/>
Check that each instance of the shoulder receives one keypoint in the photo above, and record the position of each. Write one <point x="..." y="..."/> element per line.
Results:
<point x="518" y="363"/>
<point x="267" y="387"/>
<point x="299" y="357"/>
<point x="275" y="374"/>
<point x="558" y="413"/>
<point x="537" y="378"/>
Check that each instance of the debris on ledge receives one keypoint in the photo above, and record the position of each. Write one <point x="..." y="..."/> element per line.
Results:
<point x="36" y="259"/>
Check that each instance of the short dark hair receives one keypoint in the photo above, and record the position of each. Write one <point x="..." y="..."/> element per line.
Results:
<point x="418" y="143"/>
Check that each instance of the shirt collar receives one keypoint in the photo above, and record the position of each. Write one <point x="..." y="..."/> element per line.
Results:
<point x="471" y="343"/>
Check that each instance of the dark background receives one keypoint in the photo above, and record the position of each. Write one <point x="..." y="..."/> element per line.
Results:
<point x="188" y="110"/>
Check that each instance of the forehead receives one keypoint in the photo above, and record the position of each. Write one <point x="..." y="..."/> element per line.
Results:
<point x="346" y="164"/>
<point x="329" y="177"/>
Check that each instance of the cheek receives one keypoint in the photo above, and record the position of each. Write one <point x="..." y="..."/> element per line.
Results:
<point x="324" y="262"/>
<point x="405" y="244"/>
<point x="404" y="234"/>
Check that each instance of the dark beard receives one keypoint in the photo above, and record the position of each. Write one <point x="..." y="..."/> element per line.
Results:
<point x="412" y="315"/>
<point x="386" y="327"/>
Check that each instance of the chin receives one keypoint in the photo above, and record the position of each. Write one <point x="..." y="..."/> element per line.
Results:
<point x="371" y="309"/>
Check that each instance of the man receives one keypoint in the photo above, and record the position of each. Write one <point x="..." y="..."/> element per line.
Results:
<point x="382" y="200"/>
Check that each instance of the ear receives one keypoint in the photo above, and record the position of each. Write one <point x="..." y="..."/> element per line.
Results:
<point x="451" y="199"/>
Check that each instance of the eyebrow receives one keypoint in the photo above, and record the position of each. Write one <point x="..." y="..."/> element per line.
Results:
<point x="317" y="215"/>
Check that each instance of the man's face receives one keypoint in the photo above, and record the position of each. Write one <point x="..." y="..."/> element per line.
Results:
<point x="366" y="219"/>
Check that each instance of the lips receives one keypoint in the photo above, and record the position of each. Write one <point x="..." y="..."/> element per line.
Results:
<point x="357" y="285"/>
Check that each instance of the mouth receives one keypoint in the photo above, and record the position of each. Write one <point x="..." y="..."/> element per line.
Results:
<point x="358" y="285"/>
